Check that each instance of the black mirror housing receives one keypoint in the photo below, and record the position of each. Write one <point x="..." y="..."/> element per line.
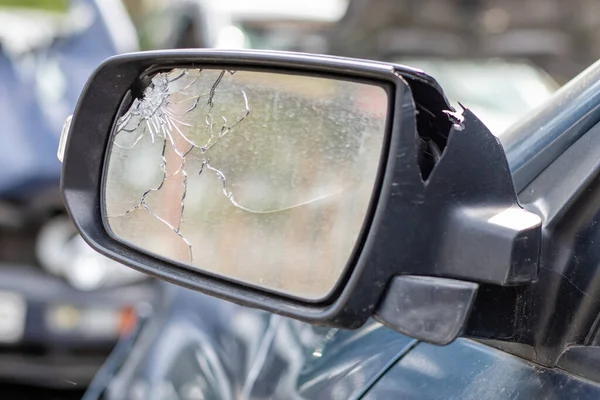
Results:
<point x="455" y="218"/>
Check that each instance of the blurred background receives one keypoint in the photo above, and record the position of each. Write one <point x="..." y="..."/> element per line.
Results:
<point x="63" y="308"/>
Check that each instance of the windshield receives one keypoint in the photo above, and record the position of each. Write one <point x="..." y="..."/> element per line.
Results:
<point x="499" y="92"/>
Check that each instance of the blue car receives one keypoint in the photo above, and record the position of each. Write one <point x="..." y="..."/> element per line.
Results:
<point x="62" y="308"/>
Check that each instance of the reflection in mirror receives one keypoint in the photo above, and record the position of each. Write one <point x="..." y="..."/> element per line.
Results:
<point x="259" y="177"/>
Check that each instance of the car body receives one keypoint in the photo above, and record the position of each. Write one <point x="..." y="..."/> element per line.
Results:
<point x="47" y="322"/>
<point x="202" y="346"/>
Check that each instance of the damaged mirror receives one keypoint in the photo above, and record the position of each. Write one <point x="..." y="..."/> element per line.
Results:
<point x="326" y="189"/>
<point x="259" y="177"/>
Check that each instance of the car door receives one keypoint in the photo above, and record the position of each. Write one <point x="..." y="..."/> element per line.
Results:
<point x="469" y="370"/>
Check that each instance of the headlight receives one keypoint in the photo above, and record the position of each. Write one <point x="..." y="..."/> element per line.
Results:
<point x="61" y="251"/>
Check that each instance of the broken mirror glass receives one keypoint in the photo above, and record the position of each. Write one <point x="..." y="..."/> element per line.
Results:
<point x="262" y="178"/>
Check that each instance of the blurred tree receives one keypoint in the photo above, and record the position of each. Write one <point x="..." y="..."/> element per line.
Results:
<point x="50" y="5"/>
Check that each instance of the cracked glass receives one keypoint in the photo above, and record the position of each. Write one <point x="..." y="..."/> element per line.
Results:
<point x="263" y="178"/>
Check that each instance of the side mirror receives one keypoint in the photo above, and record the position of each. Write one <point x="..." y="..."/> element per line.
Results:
<point x="321" y="188"/>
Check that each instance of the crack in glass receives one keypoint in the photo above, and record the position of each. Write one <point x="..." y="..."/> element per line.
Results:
<point x="161" y="121"/>
<point x="247" y="174"/>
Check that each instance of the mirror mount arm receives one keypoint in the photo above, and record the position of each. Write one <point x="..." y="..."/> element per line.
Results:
<point x="465" y="221"/>
<point x="479" y="236"/>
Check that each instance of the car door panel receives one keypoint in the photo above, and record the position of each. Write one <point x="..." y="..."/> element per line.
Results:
<point x="309" y="362"/>
<point x="469" y="370"/>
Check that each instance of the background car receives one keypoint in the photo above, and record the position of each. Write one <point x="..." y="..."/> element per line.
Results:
<point x="62" y="307"/>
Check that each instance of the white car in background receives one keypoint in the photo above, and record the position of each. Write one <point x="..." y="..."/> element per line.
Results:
<point x="517" y="87"/>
